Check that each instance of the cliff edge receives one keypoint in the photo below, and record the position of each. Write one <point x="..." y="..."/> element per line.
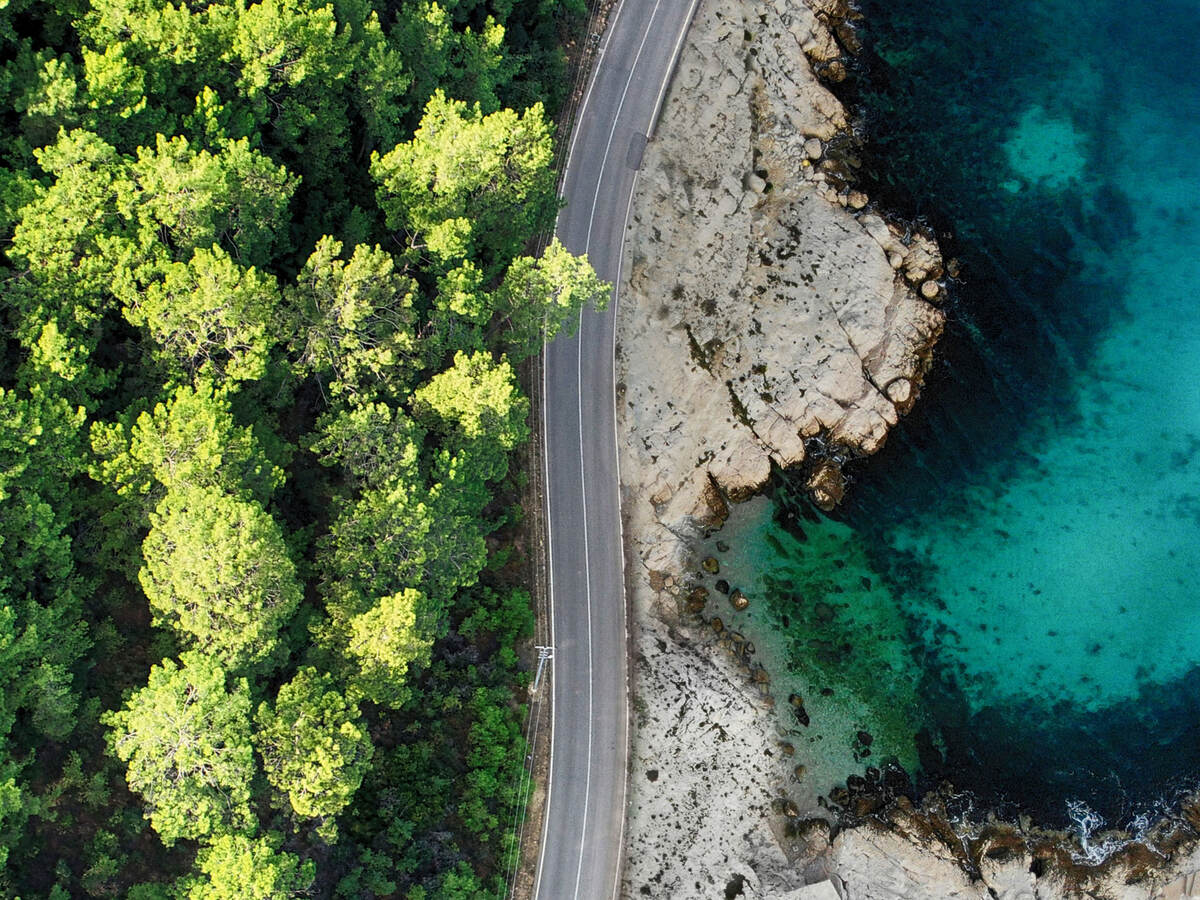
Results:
<point x="768" y="316"/>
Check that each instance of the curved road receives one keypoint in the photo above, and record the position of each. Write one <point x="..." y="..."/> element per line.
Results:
<point x="580" y="855"/>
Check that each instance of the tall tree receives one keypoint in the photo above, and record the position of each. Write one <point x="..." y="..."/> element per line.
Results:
<point x="478" y="409"/>
<point x="210" y="316"/>
<point x="354" y="320"/>
<point x="218" y="571"/>
<point x="189" y="440"/>
<point x="314" y="747"/>
<point x="194" y="199"/>
<point x="238" y="867"/>
<point x="185" y="740"/>
<point x="384" y="641"/>
<point x="541" y="296"/>
<point x="372" y="443"/>
<point x="68" y="238"/>
<point x="470" y="185"/>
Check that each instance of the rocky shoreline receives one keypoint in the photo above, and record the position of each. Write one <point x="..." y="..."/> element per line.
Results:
<point x="769" y="319"/>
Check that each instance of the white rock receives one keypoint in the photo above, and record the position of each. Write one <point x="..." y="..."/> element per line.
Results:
<point x="746" y="324"/>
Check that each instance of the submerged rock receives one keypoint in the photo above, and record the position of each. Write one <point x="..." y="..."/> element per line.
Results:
<point x="827" y="485"/>
<point x="738" y="600"/>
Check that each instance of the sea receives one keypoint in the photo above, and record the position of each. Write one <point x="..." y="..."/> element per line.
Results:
<point x="1008" y="601"/>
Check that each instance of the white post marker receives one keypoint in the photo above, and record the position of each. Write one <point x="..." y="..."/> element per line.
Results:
<point x="544" y="653"/>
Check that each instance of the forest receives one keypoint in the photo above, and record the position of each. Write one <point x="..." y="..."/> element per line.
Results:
<point x="270" y="273"/>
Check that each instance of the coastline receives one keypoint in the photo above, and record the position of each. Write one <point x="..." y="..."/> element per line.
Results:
<point x="769" y="318"/>
<point x="716" y="801"/>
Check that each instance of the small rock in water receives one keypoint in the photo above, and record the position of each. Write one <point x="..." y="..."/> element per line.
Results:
<point x="717" y="625"/>
<point x="836" y="71"/>
<point x="722" y="547"/>
<point x="799" y="772"/>
<point x="864" y="804"/>
<point x="710" y="565"/>
<point x="865" y="738"/>
<point x="858" y="200"/>
<point x="722" y="585"/>
<point x="827" y="486"/>
<point x="738" y="600"/>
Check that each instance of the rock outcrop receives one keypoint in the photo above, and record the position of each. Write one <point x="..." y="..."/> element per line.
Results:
<point x="763" y="316"/>
<point x="767" y="317"/>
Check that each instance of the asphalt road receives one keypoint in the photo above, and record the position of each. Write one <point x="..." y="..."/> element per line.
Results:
<point x="580" y="855"/>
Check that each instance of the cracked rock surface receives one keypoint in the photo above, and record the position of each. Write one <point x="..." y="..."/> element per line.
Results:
<point x="767" y="309"/>
<point x="764" y="306"/>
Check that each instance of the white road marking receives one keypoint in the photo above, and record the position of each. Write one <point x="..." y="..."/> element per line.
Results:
<point x="579" y="395"/>
<point x="612" y="131"/>
<point x="587" y="783"/>
<point x="537" y="879"/>
<point x="621" y="530"/>
<point x="587" y="574"/>
<point x="579" y="115"/>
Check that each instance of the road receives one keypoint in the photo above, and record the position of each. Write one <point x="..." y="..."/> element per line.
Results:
<point x="581" y="846"/>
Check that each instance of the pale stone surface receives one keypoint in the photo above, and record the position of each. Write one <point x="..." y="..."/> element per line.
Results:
<point x="764" y="304"/>
<point x="879" y="865"/>
<point x="758" y="310"/>
<point x="821" y="891"/>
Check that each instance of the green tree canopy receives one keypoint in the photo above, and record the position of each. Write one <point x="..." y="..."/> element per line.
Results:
<point x="478" y="409"/>
<point x="218" y="571"/>
<point x="314" y="745"/>
<point x="354" y="320"/>
<point x="384" y="641"/>
<point x="195" y="199"/>
<point x="372" y="443"/>
<point x="238" y="867"/>
<point x="469" y="184"/>
<point x="190" y="440"/>
<point x="210" y="316"/>
<point x="67" y="237"/>
<point x="540" y="296"/>
<point x="185" y="740"/>
<point x="42" y="635"/>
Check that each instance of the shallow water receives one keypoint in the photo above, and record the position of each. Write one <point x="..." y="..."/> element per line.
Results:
<point x="1019" y="565"/>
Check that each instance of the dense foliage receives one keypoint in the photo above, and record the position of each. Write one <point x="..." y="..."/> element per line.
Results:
<point x="267" y="275"/>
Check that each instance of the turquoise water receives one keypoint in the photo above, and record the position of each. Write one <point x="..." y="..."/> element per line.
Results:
<point x="1032" y="532"/>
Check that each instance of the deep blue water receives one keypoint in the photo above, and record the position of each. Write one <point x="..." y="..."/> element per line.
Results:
<point x="1020" y="563"/>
